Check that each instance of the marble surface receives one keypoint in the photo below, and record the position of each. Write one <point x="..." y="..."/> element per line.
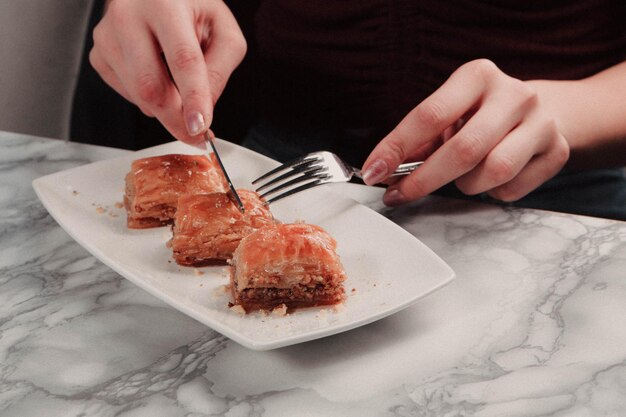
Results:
<point x="534" y="324"/>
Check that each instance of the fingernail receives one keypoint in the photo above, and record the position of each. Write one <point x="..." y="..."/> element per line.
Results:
<point x="195" y="123"/>
<point x="376" y="172"/>
<point x="393" y="197"/>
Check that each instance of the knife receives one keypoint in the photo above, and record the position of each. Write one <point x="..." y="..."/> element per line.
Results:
<point x="209" y="138"/>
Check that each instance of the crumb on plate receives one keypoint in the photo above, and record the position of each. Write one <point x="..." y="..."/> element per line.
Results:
<point x="236" y="308"/>
<point x="280" y="310"/>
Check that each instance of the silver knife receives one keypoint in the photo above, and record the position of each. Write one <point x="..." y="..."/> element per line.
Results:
<point x="209" y="137"/>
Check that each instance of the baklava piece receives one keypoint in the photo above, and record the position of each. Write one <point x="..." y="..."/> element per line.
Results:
<point x="292" y="264"/>
<point x="154" y="185"/>
<point x="208" y="228"/>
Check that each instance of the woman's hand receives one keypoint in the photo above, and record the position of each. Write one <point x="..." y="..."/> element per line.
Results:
<point x="482" y="129"/>
<point x="139" y="43"/>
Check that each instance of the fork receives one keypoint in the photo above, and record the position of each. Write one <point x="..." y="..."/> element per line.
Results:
<point x="311" y="170"/>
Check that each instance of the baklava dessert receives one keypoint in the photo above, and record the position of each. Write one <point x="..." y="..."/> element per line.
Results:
<point x="154" y="185"/>
<point x="292" y="264"/>
<point x="208" y="228"/>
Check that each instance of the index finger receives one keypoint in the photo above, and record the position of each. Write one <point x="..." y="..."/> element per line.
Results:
<point x="201" y="75"/>
<point x="185" y="60"/>
<point x="424" y="123"/>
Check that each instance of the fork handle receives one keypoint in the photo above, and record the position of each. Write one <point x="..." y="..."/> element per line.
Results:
<point x="403" y="169"/>
<point x="406" y="169"/>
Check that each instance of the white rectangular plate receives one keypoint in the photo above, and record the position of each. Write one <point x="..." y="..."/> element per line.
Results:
<point x="388" y="269"/>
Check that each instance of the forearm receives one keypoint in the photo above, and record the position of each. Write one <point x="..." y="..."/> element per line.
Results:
<point x="591" y="114"/>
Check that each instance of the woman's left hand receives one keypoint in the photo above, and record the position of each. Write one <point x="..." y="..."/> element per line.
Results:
<point x="482" y="129"/>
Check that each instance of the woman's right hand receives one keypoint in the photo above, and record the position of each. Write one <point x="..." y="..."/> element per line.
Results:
<point x="139" y="43"/>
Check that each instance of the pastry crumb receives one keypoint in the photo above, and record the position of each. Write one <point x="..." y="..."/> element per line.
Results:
<point x="119" y="205"/>
<point x="100" y="210"/>
<point x="338" y="308"/>
<point x="280" y="311"/>
<point x="220" y="291"/>
<point x="74" y="192"/>
<point x="197" y="272"/>
<point x="238" y="309"/>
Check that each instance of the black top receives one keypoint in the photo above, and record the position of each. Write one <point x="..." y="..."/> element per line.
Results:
<point x="364" y="64"/>
<point x="369" y="62"/>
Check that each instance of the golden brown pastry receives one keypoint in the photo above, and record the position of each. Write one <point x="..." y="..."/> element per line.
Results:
<point x="292" y="264"/>
<point x="208" y="228"/>
<point x="154" y="185"/>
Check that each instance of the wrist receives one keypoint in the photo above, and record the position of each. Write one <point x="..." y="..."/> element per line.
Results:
<point x="586" y="113"/>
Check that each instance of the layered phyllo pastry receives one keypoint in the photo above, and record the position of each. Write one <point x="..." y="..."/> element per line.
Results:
<point x="292" y="264"/>
<point x="208" y="228"/>
<point x="154" y="185"/>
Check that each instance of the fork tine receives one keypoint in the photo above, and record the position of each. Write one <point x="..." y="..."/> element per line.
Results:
<point x="304" y="168"/>
<point x="304" y="177"/>
<point x="296" y="190"/>
<point x="291" y="164"/>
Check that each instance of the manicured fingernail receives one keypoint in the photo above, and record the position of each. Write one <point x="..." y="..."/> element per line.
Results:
<point x="195" y="123"/>
<point x="376" y="172"/>
<point x="393" y="197"/>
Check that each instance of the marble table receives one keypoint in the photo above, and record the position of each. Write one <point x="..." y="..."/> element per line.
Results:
<point x="533" y="325"/>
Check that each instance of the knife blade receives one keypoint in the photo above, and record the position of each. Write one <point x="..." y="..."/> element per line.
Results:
<point x="209" y="138"/>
